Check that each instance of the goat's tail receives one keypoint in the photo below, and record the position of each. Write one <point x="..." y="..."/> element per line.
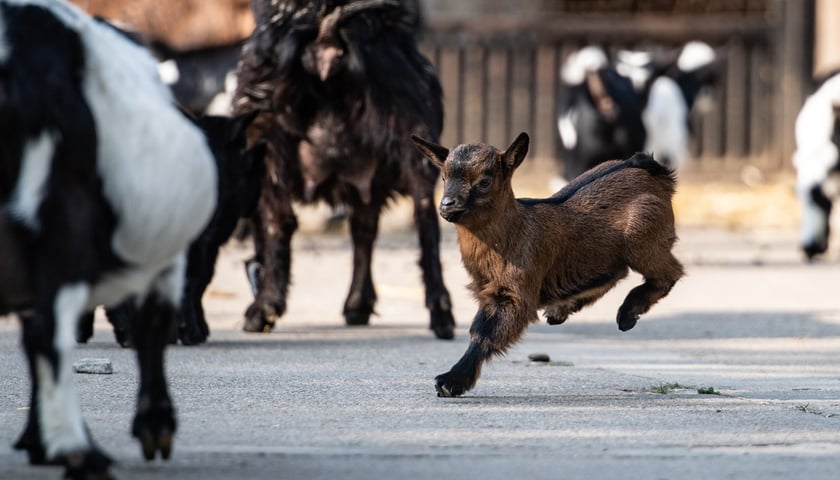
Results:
<point x="645" y="161"/>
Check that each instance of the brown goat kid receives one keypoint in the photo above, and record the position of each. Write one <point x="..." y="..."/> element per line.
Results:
<point x="559" y="253"/>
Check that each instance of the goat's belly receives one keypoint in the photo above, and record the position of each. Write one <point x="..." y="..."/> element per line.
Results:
<point x="157" y="170"/>
<point x="566" y="291"/>
<point x="162" y="187"/>
<point x="115" y="287"/>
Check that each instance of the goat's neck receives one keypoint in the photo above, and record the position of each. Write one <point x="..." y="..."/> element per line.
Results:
<point x="500" y="228"/>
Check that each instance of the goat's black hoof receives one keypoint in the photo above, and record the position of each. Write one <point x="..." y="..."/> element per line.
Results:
<point x="30" y="442"/>
<point x="443" y="324"/>
<point x="152" y="443"/>
<point x="257" y="325"/>
<point x="444" y="332"/>
<point x="626" y="321"/>
<point x="556" y="320"/>
<point x="90" y="465"/>
<point x="191" y="338"/>
<point x="357" y="318"/>
<point x="191" y="334"/>
<point x="258" y="319"/>
<point x="811" y="250"/>
<point x="358" y="308"/>
<point x="451" y="384"/>
<point x="123" y="337"/>
<point x="154" y="427"/>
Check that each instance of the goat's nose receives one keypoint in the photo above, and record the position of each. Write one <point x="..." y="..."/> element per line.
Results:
<point x="447" y="202"/>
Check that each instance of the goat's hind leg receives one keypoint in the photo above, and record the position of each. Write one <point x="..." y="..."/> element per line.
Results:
<point x="55" y="432"/>
<point x="558" y="313"/>
<point x="84" y="330"/>
<point x="659" y="279"/>
<point x="30" y="440"/>
<point x="154" y="423"/>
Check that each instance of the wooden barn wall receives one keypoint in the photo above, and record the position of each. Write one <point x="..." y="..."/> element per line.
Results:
<point x="500" y="71"/>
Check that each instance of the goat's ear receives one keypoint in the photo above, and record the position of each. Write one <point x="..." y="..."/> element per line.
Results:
<point x="434" y="152"/>
<point x="516" y="152"/>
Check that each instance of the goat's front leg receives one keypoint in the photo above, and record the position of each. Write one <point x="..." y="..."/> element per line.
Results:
<point x="438" y="301"/>
<point x="269" y="270"/>
<point x="495" y="328"/>
<point x="84" y="330"/>
<point x="154" y="422"/>
<point x="364" y="225"/>
<point x="121" y="318"/>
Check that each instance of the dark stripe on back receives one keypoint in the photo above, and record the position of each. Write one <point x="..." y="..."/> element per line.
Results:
<point x="639" y="160"/>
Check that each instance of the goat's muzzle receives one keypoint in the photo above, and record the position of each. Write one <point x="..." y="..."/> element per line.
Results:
<point x="451" y="209"/>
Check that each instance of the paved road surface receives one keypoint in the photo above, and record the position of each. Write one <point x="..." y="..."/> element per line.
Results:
<point x="315" y="399"/>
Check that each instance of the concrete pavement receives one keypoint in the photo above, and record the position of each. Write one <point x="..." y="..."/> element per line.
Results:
<point x="315" y="399"/>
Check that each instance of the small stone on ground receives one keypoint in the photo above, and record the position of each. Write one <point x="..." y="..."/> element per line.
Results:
<point x="101" y="366"/>
<point x="539" y="357"/>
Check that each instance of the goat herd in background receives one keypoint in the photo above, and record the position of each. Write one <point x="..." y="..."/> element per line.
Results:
<point x="115" y="196"/>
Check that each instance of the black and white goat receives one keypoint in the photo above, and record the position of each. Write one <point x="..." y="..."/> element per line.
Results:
<point x="818" y="164"/>
<point x="669" y="88"/>
<point x="600" y="119"/>
<point x="241" y="174"/>
<point x="642" y="103"/>
<point x="104" y="184"/>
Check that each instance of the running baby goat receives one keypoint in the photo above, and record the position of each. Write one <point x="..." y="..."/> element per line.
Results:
<point x="559" y="253"/>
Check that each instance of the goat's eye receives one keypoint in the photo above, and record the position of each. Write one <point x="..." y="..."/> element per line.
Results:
<point x="485" y="183"/>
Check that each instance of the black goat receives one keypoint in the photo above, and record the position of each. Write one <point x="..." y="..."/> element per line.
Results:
<point x="341" y="86"/>
<point x="103" y="184"/>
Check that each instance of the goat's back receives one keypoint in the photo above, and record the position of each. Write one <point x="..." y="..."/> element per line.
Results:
<point x="613" y="216"/>
<point x="611" y="182"/>
<point x="621" y="198"/>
